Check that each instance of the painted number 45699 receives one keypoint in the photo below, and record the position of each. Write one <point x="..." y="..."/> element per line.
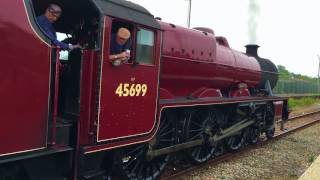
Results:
<point x="125" y="89"/>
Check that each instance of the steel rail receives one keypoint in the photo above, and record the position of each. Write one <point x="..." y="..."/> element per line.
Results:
<point x="303" y="115"/>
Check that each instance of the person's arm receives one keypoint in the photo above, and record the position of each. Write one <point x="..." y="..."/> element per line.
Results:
<point x="62" y="45"/>
<point x="54" y="40"/>
<point x="122" y="56"/>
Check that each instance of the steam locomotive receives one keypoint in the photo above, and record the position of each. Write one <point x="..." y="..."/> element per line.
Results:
<point x="183" y="90"/>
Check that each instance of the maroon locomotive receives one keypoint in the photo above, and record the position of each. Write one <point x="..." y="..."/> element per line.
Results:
<point x="182" y="90"/>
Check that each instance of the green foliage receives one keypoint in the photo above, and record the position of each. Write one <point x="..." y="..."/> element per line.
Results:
<point x="291" y="83"/>
<point x="307" y="101"/>
<point x="311" y="158"/>
<point x="285" y="74"/>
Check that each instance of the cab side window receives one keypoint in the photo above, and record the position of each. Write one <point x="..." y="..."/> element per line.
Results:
<point x="145" y="46"/>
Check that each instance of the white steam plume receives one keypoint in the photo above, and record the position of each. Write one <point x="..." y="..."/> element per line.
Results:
<point x="254" y="12"/>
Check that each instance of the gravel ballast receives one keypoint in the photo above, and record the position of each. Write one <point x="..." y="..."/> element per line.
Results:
<point x="286" y="158"/>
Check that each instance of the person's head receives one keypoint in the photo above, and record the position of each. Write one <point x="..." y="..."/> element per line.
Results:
<point x="242" y="86"/>
<point x="123" y="35"/>
<point x="53" y="12"/>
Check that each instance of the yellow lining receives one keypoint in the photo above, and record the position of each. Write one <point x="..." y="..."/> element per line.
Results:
<point x="17" y="152"/>
<point x="157" y="96"/>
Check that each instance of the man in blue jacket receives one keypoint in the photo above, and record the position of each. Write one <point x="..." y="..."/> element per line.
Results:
<point x="46" y="21"/>
<point x="120" y="46"/>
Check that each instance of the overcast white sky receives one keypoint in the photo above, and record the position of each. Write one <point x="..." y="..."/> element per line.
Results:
<point x="288" y="31"/>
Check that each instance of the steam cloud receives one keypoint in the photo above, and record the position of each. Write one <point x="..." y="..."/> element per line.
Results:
<point x="254" y="12"/>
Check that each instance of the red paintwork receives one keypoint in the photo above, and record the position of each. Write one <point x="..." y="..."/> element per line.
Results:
<point x="185" y="70"/>
<point x="194" y="64"/>
<point x="207" y="92"/>
<point x="182" y="103"/>
<point x="278" y="106"/>
<point x="121" y="117"/>
<point x="56" y="96"/>
<point x="24" y="82"/>
<point x="165" y="94"/>
<point x="87" y="97"/>
<point x="240" y="92"/>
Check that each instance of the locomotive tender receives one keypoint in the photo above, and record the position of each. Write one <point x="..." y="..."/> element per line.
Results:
<point x="183" y="90"/>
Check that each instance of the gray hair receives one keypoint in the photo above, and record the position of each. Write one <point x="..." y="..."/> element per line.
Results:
<point x="54" y="7"/>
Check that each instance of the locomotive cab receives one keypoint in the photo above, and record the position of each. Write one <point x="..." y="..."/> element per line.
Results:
<point x="77" y="25"/>
<point x="91" y="89"/>
<point x="72" y="115"/>
<point x="92" y="105"/>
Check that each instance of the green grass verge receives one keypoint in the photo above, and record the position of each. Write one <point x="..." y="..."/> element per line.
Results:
<point x="295" y="103"/>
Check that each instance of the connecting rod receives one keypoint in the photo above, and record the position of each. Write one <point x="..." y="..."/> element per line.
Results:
<point x="217" y="137"/>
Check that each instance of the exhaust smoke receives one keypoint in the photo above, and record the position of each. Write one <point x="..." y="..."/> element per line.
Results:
<point x="254" y="12"/>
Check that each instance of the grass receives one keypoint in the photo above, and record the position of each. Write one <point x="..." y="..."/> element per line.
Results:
<point x="307" y="101"/>
<point x="311" y="158"/>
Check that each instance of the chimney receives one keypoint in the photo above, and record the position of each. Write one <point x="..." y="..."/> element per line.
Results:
<point x="252" y="50"/>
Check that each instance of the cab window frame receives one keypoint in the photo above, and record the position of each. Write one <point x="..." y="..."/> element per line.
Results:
<point x="132" y="28"/>
<point x="153" y="62"/>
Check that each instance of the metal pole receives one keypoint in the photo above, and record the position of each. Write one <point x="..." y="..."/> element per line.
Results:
<point x="189" y="13"/>
<point x="318" y="75"/>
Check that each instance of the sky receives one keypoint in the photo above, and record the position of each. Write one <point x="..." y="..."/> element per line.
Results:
<point x="287" y="31"/>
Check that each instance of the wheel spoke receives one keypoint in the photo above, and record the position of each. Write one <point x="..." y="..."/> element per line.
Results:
<point x="196" y="123"/>
<point x="138" y="167"/>
<point x="235" y="142"/>
<point x="158" y="168"/>
<point x="196" y="130"/>
<point x="167" y="140"/>
<point x="197" y="127"/>
<point x="140" y="172"/>
<point x="163" y="129"/>
<point x="167" y="133"/>
<point x="126" y="165"/>
<point x="196" y="136"/>
<point x="134" y="150"/>
<point x="135" y="167"/>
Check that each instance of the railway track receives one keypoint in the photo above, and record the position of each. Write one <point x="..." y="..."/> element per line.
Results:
<point x="228" y="156"/>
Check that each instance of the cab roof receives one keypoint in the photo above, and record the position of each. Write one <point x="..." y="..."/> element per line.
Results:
<point x="126" y="10"/>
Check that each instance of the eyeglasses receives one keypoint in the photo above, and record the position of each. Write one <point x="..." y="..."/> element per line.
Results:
<point x="55" y="13"/>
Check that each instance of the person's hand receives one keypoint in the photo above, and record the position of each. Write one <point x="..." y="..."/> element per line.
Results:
<point x="124" y="56"/>
<point x="72" y="47"/>
<point x="67" y="40"/>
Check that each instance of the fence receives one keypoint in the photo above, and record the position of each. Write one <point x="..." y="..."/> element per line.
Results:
<point x="296" y="87"/>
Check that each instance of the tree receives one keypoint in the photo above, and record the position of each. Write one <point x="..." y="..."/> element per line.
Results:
<point x="283" y="72"/>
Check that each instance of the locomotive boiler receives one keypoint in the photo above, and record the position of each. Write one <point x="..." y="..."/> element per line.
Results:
<point x="194" y="60"/>
<point x="80" y="117"/>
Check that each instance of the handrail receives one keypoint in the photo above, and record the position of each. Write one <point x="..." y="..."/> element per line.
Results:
<point x="55" y="100"/>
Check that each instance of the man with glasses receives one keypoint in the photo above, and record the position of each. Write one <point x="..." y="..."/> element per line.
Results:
<point x="46" y="21"/>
